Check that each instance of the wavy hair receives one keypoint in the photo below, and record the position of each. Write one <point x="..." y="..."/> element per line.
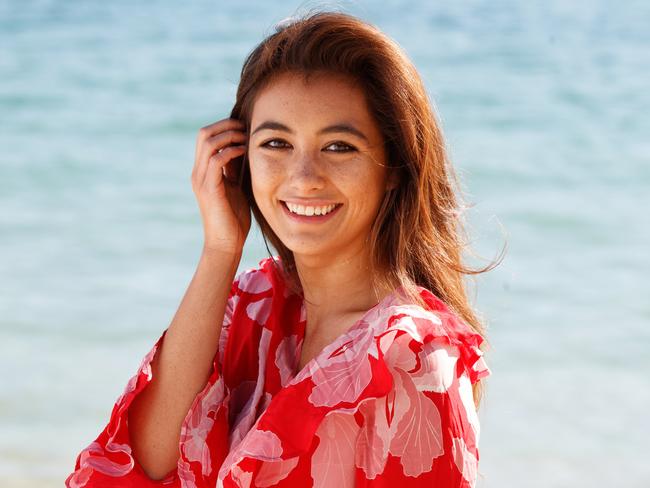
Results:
<point x="416" y="238"/>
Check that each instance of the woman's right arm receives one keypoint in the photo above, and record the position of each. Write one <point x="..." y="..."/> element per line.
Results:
<point x="181" y="367"/>
<point x="183" y="364"/>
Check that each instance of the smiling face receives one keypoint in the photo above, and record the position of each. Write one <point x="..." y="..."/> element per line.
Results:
<point x="315" y="148"/>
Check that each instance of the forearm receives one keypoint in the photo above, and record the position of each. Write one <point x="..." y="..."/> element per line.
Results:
<point x="182" y="366"/>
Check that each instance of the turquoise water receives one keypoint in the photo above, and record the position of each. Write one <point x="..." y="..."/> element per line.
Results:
<point x="544" y="106"/>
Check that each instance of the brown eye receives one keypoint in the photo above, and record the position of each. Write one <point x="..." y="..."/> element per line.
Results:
<point x="344" y="147"/>
<point x="271" y="144"/>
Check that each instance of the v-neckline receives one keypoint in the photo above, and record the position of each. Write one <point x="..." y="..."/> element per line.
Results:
<point x="336" y="342"/>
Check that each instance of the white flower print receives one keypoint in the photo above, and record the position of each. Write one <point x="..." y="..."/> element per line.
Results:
<point x="94" y="457"/>
<point x="418" y="440"/>
<point x="467" y="398"/>
<point x="198" y="424"/>
<point x="286" y="358"/>
<point x="405" y="423"/>
<point x="417" y="323"/>
<point x="185" y="474"/>
<point x="258" y="444"/>
<point x="231" y="305"/>
<point x="343" y="370"/>
<point x="480" y="368"/>
<point x="273" y="472"/>
<point x="465" y="461"/>
<point x="382" y="418"/>
<point x="248" y="414"/>
<point x="241" y="477"/>
<point x="254" y="281"/>
<point x="332" y="463"/>
<point x="334" y="423"/>
<point x="397" y="353"/>
<point x="261" y="444"/>
<point x="80" y="478"/>
<point x="437" y="367"/>
<point x="259" y="310"/>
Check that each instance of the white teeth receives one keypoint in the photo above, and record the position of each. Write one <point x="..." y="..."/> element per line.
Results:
<point x="309" y="211"/>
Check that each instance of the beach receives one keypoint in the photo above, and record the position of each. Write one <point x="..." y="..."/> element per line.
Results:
<point x="544" y="111"/>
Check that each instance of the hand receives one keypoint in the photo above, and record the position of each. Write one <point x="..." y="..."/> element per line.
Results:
<point x="223" y="205"/>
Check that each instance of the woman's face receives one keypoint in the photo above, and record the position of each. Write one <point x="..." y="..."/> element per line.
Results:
<point x="316" y="145"/>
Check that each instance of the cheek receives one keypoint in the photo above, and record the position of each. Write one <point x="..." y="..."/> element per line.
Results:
<point x="265" y="176"/>
<point x="364" y="178"/>
<point x="263" y="170"/>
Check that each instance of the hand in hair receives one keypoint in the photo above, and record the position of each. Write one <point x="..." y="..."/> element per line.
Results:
<point x="224" y="208"/>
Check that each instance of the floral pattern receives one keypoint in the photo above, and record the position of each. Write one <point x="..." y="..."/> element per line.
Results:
<point x="387" y="402"/>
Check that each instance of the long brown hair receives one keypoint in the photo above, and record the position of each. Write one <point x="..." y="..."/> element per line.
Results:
<point x="416" y="236"/>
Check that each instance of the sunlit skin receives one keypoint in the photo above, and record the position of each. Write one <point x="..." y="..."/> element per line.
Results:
<point x="303" y="163"/>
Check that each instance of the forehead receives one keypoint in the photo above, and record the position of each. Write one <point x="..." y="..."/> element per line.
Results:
<point x="326" y="96"/>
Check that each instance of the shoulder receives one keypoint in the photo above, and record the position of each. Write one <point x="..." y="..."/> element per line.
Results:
<point x="432" y="338"/>
<point x="259" y="279"/>
<point x="256" y="292"/>
<point x="427" y="421"/>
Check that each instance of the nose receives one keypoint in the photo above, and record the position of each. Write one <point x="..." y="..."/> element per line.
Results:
<point x="306" y="173"/>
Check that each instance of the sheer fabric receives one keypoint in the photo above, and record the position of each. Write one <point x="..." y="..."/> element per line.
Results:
<point x="388" y="403"/>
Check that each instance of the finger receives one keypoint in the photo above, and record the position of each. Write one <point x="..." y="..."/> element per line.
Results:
<point x="214" y="174"/>
<point x="219" y="126"/>
<point x="219" y="141"/>
<point x="213" y="145"/>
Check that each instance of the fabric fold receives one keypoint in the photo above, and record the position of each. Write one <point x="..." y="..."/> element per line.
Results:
<point x="109" y="458"/>
<point x="203" y="438"/>
<point x="401" y="372"/>
<point x="356" y="362"/>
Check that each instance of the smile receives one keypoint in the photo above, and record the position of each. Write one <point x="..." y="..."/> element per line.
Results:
<point x="318" y="214"/>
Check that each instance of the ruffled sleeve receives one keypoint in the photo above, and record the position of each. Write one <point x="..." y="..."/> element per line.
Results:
<point x="108" y="460"/>
<point x="426" y="431"/>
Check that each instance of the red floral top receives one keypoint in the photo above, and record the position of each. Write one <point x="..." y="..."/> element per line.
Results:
<point x="388" y="403"/>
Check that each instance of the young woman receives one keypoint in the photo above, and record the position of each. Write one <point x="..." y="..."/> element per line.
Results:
<point x="352" y="357"/>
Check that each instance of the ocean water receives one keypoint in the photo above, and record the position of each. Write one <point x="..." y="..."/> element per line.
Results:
<point x="545" y="109"/>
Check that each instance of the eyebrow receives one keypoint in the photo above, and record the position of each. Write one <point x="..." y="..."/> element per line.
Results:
<point x="341" y="127"/>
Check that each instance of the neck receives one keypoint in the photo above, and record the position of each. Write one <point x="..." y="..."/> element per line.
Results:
<point x="337" y="286"/>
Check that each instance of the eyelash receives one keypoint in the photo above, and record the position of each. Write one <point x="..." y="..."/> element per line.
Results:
<point x="337" y="143"/>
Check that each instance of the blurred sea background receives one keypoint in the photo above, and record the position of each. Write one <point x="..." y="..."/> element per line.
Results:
<point x="544" y="105"/>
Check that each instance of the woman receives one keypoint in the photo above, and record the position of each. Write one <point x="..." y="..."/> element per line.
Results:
<point x="350" y="359"/>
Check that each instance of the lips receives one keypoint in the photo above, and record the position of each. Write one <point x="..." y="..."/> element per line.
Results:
<point x="310" y="209"/>
<point x="311" y="218"/>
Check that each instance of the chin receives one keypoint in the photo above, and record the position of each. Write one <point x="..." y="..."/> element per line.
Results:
<point x="308" y="250"/>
